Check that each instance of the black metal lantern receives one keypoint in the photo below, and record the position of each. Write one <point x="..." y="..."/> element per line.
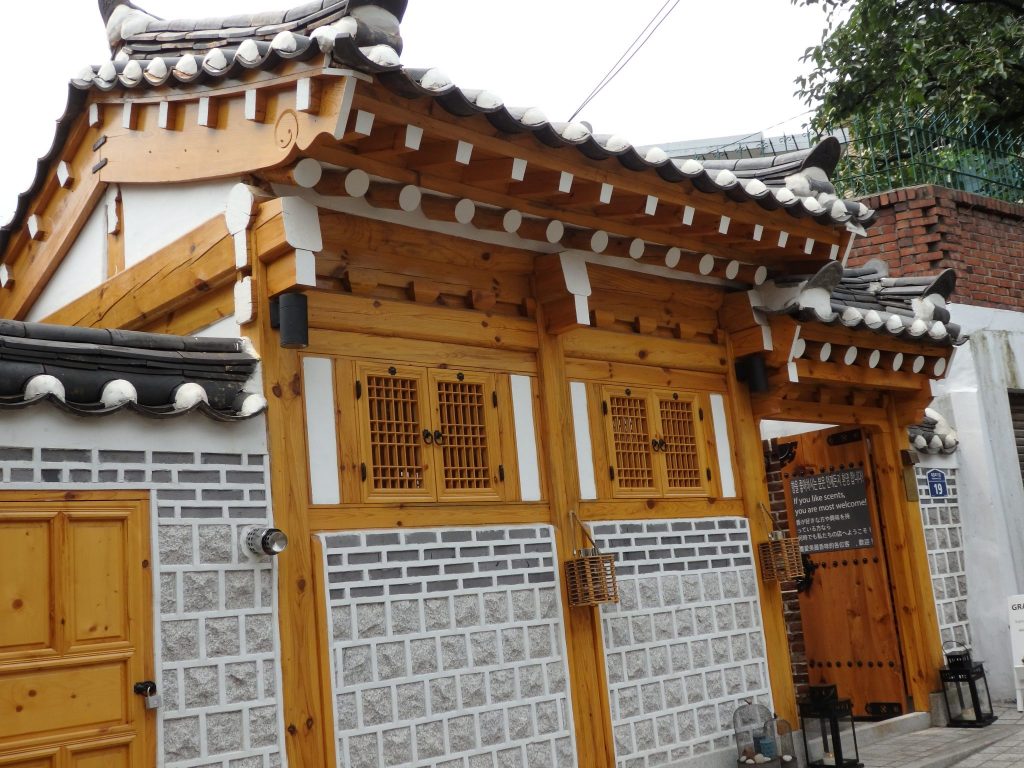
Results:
<point x="965" y="688"/>
<point x="826" y="714"/>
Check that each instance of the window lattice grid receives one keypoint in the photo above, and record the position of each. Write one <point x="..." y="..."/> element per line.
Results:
<point x="395" y="452"/>
<point x="631" y="435"/>
<point x="462" y="420"/>
<point x="682" y="458"/>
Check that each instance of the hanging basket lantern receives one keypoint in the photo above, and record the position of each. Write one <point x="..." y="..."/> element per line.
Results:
<point x="589" y="575"/>
<point x="780" y="558"/>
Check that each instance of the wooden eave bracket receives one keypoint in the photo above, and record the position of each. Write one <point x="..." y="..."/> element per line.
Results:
<point x="282" y="232"/>
<point x="563" y="287"/>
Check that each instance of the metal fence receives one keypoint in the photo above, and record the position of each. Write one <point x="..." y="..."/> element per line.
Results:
<point x="904" y="149"/>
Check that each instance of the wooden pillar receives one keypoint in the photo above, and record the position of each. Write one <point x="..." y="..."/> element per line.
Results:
<point x="907" y="555"/>
<point x="309" y="733"/>
<point x="584" y="642"/>
<point x="753" y="485"/>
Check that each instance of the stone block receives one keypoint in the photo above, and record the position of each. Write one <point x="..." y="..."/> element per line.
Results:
<point x="397" y="746"/>
<point x="425" y="656"/>
<point x="223" y="732"/>
<point x="462" y="733"/>
<point x="467" y="610"/>
<point x="531" y="680"/>
<point x="201" y="591"/>
<point x="539" y="755"/>
<point x="454" y="654"/>
<point x="370" y="620"/>
<point x="377" y="706"/>
<point x="473" y="691"/>
<point x="222" y="636"/>
<point x="356" y="665"/>
<point x="363" y="751"/>
<point x="241" y="681"/>
<point x="391" y="661"/>
<point x="175" y="544"/>
<point x="443" y="695"/>
<point x="520" y="723"/>
<point x="168" y="593"/>
<point x="348" y="711"/>
<point x="259" y="633"/>
<point x="412" y="700"/>
<point x="437" y="612"/>
<point x="239" y="590"/>
<point x="181" y="739"/>
<point x="502" y="685"/>
<point x="263" y="726"/>
<point x="202" y="687"/>
<point x="180" y="640"/>
<point x="492" y="728"/>
<point x="429" y="740"/>
<point x="216" y="544"/>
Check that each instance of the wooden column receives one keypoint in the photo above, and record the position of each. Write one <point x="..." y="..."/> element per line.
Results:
<point x="907" y="554"/>
<point x="309" y="732"/>
<point x="584" y="642"/>
<point x="753" y="486"/>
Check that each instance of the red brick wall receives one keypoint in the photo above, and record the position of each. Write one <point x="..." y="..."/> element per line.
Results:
<point x="790" y="598"/>
<point x="923" y="230"/>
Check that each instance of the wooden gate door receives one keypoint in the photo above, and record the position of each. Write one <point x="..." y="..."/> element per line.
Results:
<point x="850" y="631"/>
<point x="74" y="631"/>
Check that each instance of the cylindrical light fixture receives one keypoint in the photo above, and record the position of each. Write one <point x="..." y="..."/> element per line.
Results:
<point x="264" y="541"/>
<point x="293" y="313"/>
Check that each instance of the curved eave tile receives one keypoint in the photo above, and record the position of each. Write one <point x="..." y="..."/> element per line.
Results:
<point x="150" y="412"/>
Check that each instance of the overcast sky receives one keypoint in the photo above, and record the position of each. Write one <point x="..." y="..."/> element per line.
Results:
<point x="714" y="68"/>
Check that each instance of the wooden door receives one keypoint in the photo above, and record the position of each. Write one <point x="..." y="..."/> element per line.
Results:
<point x="850" y="629"/>
<point x="74" y="637"/>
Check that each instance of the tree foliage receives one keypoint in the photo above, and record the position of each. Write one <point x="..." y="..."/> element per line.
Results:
<point x="958" y="57"/>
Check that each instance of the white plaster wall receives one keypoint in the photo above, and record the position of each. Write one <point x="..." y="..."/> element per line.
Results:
<point x="158" y="214"/>
<point x="974" y="398"/>
<point x="84" y="267"/>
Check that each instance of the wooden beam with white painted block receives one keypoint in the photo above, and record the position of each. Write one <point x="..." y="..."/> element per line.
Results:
<point x="255" y="105"/>
<point x="584" y="445"/>
<point x="364" y="122"/>
<point x="526" y="437"/>
<point x="307" y="95"/>
<point x="206" y="115"/>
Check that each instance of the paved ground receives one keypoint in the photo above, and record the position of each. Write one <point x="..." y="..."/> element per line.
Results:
<point x="1001" y="745"/>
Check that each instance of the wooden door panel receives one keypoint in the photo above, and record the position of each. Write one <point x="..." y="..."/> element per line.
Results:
<point x="97" y="576"/>
<point x="34" y="759"/>
<point x="849" y="624"/>
<point x="77" y="590"/>
<point x="100" y="756"/>
<point x="62" y="698"/>
<point x="26" y="584"/>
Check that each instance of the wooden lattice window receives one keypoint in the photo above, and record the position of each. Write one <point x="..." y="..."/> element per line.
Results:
<point x="395" y="455"/>
<point x="465" y="407"/>
<point x="428" y="435"/>
<point x="393" y="461"/>
<point x="682" y="450"/>
<point x="655" y="441"/>
<point x="631" y="437"/>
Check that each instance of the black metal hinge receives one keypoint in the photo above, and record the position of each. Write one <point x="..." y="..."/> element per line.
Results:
<point x="708" y="472"/>
<point x="604" y="407"/>
<point x="494" y="399"/>
<point x="359" y="389"/>
<point x="362" y="471"/>
<point x="501" y="472"/>
<point x="700" y="414"/>
<point x="611" y="473"/>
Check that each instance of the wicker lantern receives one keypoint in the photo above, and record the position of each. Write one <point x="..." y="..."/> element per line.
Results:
<point x="780" y="558"/>
<point x="589" y="575"/>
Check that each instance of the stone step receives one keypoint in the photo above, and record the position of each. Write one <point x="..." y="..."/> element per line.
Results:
<point x="934" y="747"/>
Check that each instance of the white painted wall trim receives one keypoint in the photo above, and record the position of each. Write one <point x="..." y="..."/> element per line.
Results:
<point x="723" y="445"/>
<point x="584" y="447"/>
<point x="321" y="430"/>
<point x="526" y="437"/>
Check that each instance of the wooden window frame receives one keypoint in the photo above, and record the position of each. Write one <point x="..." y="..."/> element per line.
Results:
<point x="607" y="469"/>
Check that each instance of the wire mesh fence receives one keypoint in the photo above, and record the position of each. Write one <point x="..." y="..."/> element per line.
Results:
<point x="903" y="149"/>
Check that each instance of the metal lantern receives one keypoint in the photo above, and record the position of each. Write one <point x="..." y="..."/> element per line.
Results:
<point x="965" y="688"/>
<point x="761" y="738"/>
<point x="826" y="714"/>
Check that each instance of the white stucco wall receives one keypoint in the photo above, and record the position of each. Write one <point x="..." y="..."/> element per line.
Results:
<point x="158" y="214"/>
<point x="974" y="398"/>
<point x="83" y="268"/>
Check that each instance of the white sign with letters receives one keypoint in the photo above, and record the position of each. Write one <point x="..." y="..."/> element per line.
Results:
<point x="1015" y="606"/>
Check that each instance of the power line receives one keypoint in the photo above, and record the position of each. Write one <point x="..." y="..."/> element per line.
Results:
<point x="631" y="50"/>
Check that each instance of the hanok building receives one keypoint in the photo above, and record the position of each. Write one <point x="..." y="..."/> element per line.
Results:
<point x="438" y="341"/>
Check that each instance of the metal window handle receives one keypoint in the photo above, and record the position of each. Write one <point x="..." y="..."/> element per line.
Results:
<point x="438" y="437"/>
<point x="427" y="437"/>
<point x="662" y="445"/>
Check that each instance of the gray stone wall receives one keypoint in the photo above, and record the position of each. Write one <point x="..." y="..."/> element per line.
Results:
<point x="684" y="646"/>
<point x="943" y="535"/>
<point x="216" y="634"/>
<point x="448" y="649"/>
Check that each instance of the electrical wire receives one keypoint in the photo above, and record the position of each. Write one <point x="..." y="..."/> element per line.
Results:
<point x="755" y="133"/>
<point x="631" y="50"/>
